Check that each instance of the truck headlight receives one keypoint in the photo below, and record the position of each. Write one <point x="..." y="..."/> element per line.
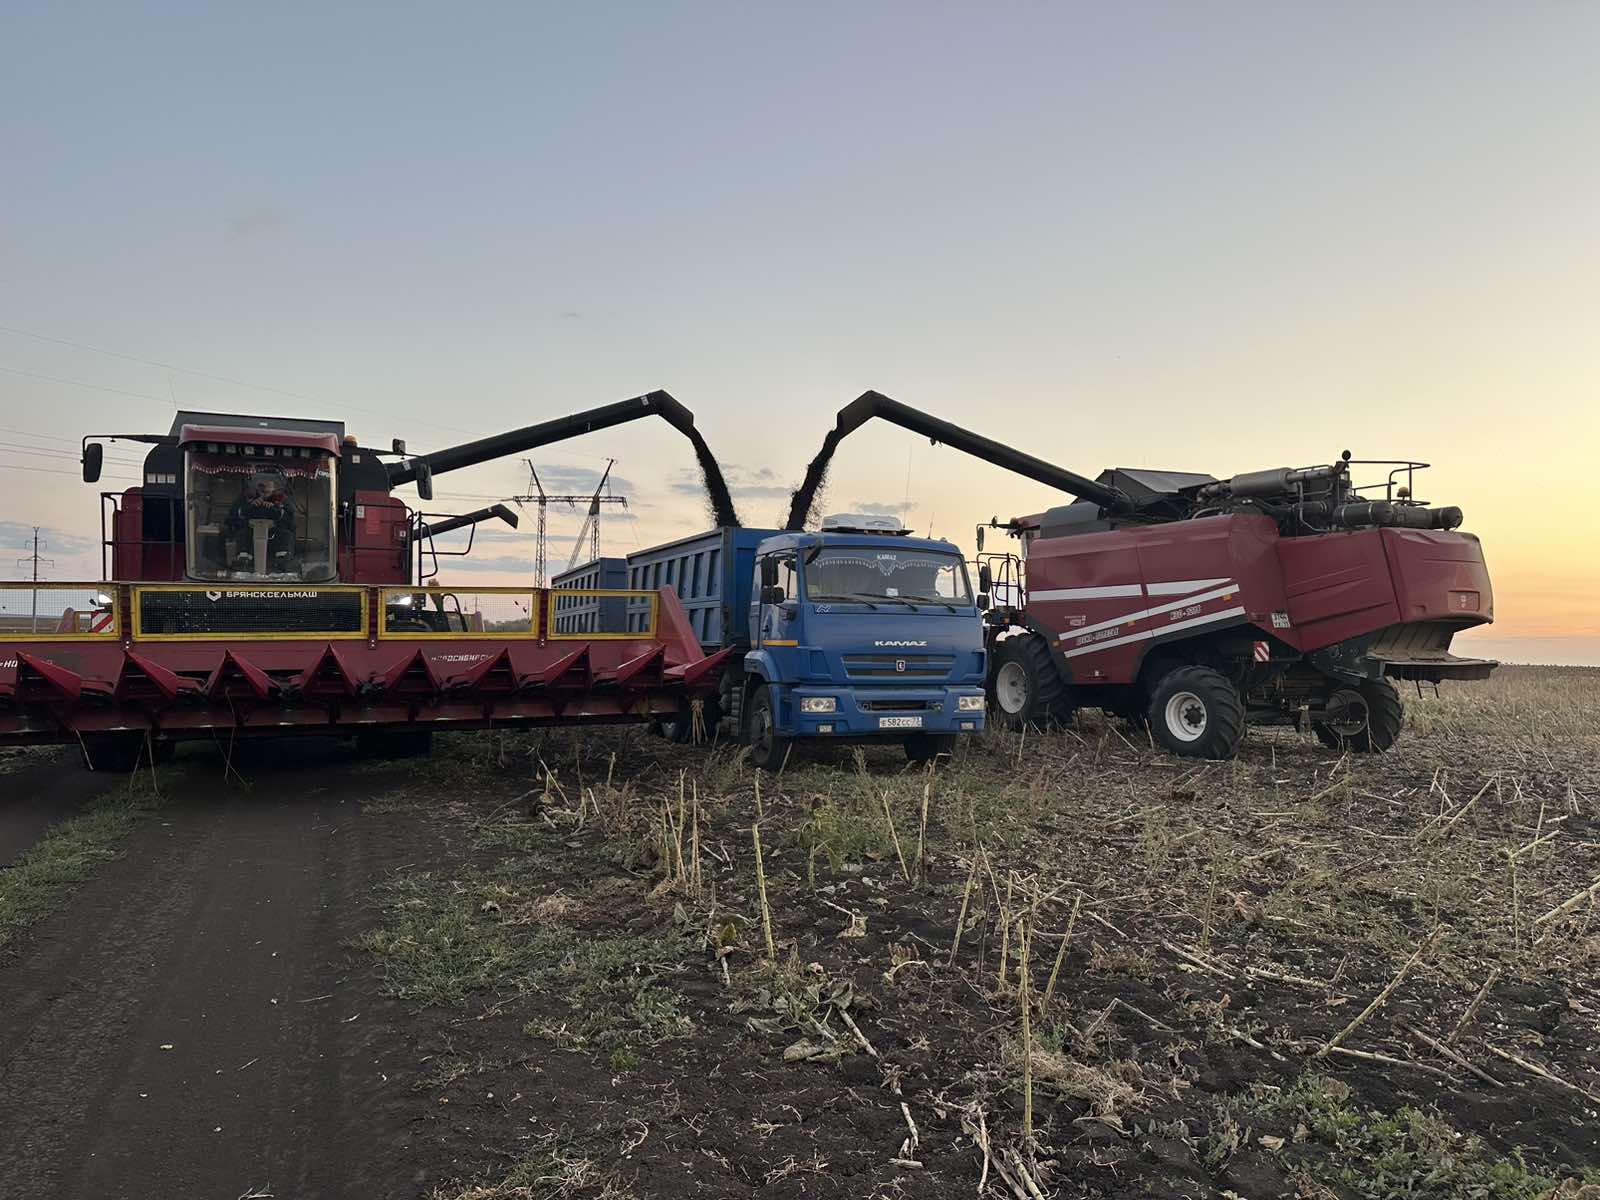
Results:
<point x="818" y="704"/>
<point x="969" y="703"/>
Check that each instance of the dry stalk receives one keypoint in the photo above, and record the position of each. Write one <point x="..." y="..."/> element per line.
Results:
<point x="761" y="889"/>
<point x="966" y="899"/>
<point x="894" y="837"/>
<point x="1535" y="1069"/>
<point x="1383" y="996"/>
<point x="1211" y="904"/>
<point x="1023" y="940"/>
<point x="1005" y="933"/>
<point x="1453" y="1055"/>
<point x="1566" y="906"/>
<point x="1061" y="953"/>
<point x="922" y="833"/>
<point x="1477" y="1002"/>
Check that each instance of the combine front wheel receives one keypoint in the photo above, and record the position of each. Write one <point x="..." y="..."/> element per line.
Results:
<point x="1024" y="686"/>
<point x="1196" y="712"/>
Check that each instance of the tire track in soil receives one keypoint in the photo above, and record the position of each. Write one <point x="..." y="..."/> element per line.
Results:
<point x="220" y="932"/>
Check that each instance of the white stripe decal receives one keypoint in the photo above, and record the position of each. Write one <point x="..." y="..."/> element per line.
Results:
<point x="1108" y="592"/>
<point x="1182" y="587"/>
<point x="1129" y="618"/>
<point x="1148" y="634"/>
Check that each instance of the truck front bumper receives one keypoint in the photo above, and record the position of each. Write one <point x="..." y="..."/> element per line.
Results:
<point x="883" y="712"/>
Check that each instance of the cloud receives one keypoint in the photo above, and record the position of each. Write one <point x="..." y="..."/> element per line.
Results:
<point x="257" y="221"/>
<point x="883" y="508"/>
<point x="53" y="543"/>
<point x="559" y="478"/>
<point x="743" y="483"/>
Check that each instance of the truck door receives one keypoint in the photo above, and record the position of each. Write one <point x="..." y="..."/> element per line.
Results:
<point x="774" y="619"/>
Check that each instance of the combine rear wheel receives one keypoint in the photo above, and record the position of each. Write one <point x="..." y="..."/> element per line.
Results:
<point x="1196" y="712"/>
<point x="1024" y="686"/>
<point x="1378" y="727"/>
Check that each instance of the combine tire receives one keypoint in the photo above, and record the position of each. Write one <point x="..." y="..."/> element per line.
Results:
<point x="768" y="747"/>
<point x="1381" y="729"/>
<point x="1025" y="689"/>
<point x="925" y="747"/>
<point x="1196" y="712"/>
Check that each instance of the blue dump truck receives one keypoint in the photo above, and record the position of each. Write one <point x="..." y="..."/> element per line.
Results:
<point x="856" y="632"/>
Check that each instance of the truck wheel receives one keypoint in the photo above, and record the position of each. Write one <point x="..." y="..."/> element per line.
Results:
<point x="1196" y="712"/>
<point x="768" y="747"/>
<point x="925" y="747"/>
<point x="1385" y="716"/>
<point x="1024" y="686"/>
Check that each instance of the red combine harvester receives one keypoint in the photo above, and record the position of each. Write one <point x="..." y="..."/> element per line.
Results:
<point x="1198" y="605"/>
<point x="264" y="580"/>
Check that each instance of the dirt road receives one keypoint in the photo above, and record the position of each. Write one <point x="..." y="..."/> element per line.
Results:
<point x="182" y="1025"/>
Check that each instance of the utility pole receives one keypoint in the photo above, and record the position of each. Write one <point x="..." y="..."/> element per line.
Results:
<point x="591" y="525"/>
<point x="33" y="560"/>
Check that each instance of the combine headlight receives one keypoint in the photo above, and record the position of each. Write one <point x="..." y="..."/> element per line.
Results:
<point x="969" y="703"/>
<point x="818" y="704"/>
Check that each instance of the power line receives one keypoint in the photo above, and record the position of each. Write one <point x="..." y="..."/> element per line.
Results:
<point x="98" y="387"/>
<point x="151" y="362"/>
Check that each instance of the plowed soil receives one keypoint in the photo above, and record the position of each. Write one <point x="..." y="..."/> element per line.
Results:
<point x="507" y="972"/>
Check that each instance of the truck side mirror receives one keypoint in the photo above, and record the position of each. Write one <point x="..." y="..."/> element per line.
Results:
<point x="93" y="455"/>
<point x="769" y="573"/>
<point x="983" y="600"/>
<point x="424" y="479"/>
<point x="771" y="594"/>
<point x="980" y="539"/>
<point x="985" y="578"/>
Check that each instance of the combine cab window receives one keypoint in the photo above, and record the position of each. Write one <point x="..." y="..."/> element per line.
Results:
<point x="261" y="518"/>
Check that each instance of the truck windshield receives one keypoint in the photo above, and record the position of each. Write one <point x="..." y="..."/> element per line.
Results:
<point x="260" y="518"/>
<point x="867" y="572"/>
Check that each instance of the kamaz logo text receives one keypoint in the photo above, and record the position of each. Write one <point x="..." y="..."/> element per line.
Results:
<point x="894" y="643"/>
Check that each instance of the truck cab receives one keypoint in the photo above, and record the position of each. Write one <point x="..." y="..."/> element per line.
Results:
<point x="860" y="632"/>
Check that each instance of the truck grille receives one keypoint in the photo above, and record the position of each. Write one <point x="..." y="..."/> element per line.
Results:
<point x="897" y="705"/>
<point x="898" y="666"/>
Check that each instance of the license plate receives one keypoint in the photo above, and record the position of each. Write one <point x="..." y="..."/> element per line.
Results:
<point x="899" y="722"/>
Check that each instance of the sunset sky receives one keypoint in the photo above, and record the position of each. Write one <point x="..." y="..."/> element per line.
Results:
<point x="1210" y="237"/>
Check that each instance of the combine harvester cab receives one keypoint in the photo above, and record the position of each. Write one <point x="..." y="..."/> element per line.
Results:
<point x="1196" y="605"/>
<point x="265" y="581"/>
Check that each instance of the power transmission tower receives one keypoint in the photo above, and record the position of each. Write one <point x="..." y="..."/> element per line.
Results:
<point x="33" y="561"/>
<point x="591" y="526"/>
<point x="591" y="523"/>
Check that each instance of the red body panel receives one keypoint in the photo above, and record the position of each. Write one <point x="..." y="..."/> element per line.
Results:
<point x="378" y="550"/>
<point x="1106" y="598"/>
<point x="1336" y="586"/>
<point x="1439" y="575"/>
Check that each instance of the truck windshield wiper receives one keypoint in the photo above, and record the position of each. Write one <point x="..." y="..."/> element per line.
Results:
<point x="852" y="597"/>
<point x="933" y="600"/>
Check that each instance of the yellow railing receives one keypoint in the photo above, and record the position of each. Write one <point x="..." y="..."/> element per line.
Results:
<point x="591" y="614"/>
<point x="59" y="612"/>
<point x="459" y="612"/>
<point x="196" y="612"/>
<point x="193" y="612"/>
